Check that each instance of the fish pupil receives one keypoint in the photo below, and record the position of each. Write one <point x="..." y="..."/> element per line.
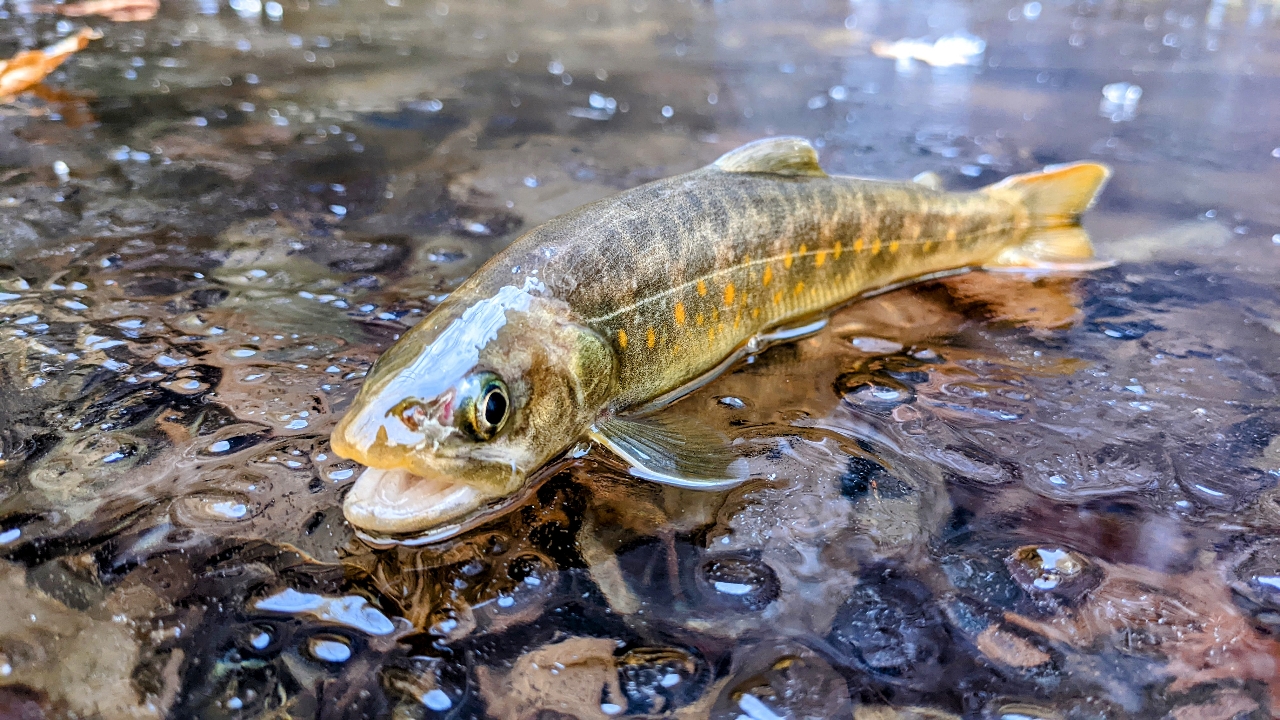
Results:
<point x="495" y="408"/>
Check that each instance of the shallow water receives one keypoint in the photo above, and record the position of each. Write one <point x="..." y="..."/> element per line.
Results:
<point x="986" y="497"/>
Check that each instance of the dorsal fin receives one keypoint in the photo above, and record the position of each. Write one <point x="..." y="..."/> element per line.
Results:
<point x="791" y="156"/>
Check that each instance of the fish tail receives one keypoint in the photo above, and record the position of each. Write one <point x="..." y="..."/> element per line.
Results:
<point x="1054" y="199"/>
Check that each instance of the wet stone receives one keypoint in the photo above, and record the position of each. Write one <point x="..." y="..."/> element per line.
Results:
<point x="1047" y="570"/>
<point x="889" y="627"/>
<point x="1256" y="586"/>
<point x="864" y="477"/>
<point x="738" y="582"/>
<point x="428" y="686"/>
<point x="800" y="685"/>
<point x="873" y="393"/>
<point x="660" y="680"/>
<point x="983" y="576"/>
<point x="329" y="648"/>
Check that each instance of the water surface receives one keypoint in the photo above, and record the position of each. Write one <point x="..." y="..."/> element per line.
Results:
<point x="988" y="497"/>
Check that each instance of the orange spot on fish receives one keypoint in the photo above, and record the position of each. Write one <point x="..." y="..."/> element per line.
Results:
<point x="622" y="339"/>
<point x="651" y="339"/>
<point x="893" y="246"/>
<point x="777" y="297"/>
<point x="858" y="245"/>
<point x="702" y="288"/>
<point x="728" y="294"/>
<point x="711" y="334"/>
<point x="737" y="320"/>
<point x="679" y="313"/>
<point x="755" y="312"/>
<point x="835" y="254"/>
<point x="799" y="287"/>
<point x="819" y="258"/>
<point x="928" y="245"/>
<point x="698" y="319"/>
<point x="875" y="247"/>
<point x="768" y="274"/>
<point x="802" y="250"/>
<point x="786" y="259"/>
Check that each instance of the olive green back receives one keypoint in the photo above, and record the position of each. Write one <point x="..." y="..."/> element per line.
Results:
<point x="678" y="273"/>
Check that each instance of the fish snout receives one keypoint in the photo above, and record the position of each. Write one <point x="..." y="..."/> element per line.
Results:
<point x="379" y="436"/>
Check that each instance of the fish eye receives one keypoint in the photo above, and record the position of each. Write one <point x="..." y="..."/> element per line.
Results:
<point x="490" y="407"/>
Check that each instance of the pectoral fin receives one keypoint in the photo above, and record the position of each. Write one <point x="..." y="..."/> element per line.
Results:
<point x="673" y="451"/>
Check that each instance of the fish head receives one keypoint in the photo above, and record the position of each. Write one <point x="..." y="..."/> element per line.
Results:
<point x="456" y="416"/>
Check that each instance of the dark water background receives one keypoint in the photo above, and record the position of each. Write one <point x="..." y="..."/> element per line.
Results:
<point x="991" y="497"/>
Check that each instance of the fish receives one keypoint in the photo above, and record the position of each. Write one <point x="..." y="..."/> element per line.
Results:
<point x="583" y="329"/>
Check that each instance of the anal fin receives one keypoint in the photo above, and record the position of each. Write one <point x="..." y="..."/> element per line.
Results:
<point x="672" y="450"/>
<point x="1055" y="249"/>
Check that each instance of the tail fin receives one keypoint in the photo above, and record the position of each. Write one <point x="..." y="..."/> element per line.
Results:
<point x="1055" y="197"/>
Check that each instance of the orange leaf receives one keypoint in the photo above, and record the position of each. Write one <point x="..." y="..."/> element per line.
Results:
<point x="29" y="67"/>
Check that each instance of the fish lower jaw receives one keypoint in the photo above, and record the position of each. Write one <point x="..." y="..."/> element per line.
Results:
<point x="398" y="502"/>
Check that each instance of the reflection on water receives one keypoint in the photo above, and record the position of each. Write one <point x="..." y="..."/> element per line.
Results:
<point x="987" y="497"/>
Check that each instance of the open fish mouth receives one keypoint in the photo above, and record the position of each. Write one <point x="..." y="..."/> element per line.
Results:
<point x="397" y="502"/>
<point x="397" y="507"/>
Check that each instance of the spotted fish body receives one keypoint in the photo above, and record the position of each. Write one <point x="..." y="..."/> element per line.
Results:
<point x="679" y="273"/>
<point x="664" y="283"/>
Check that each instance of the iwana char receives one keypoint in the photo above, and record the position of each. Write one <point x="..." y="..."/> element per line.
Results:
<point x="585" y="327"/>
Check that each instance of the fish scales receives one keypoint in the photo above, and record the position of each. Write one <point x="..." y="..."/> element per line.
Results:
<point x="586" y="323"/>
<point x="627" y="263"/>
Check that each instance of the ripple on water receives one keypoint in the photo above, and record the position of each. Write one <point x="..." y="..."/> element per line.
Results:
<point x="211" y="508"/>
